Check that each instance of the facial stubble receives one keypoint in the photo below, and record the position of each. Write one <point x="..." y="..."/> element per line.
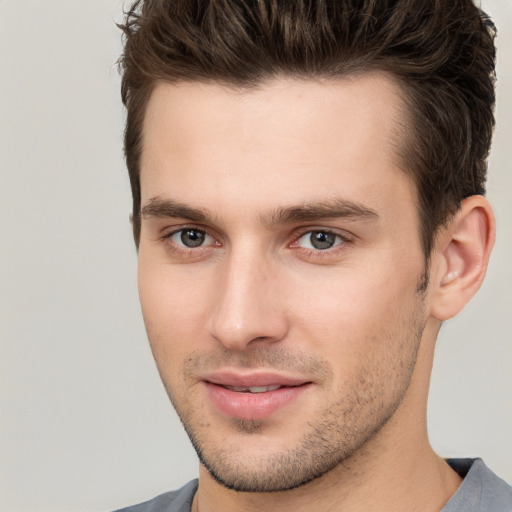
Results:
<point x="333" y="437"/>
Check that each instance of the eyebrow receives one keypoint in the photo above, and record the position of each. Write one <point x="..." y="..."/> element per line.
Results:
<point x="319" y="210"/>
<point x="330" y="209"/>
<point x="158" y="207"/>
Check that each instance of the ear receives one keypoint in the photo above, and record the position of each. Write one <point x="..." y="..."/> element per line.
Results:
<point x="461" y="256"/>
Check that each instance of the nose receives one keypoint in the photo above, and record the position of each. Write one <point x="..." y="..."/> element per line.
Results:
<point x="248" y="307"/>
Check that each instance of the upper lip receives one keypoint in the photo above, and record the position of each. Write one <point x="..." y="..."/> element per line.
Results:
<point x="231" y="378"/>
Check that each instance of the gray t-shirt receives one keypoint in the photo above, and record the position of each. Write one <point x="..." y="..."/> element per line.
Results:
<point x="481" y="491"/>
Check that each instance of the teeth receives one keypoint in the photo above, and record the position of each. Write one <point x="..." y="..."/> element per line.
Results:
<point x="253" y="389"/>
<point x="262" y="389"/>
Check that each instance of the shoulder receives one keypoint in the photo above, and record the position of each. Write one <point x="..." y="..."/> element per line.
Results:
<point x="174" y="501"/>
<point x="480" y="491"/>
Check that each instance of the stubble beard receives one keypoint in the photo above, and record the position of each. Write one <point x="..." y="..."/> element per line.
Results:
<point x="335" y="436"/>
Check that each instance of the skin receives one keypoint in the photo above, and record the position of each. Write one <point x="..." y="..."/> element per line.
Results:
<point x="257" y="171"/>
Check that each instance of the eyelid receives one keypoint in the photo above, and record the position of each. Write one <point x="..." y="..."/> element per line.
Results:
<point x="169" y="231"/>
<point x="338" y="240"/>
<point x="208" y="238"/>
<point x="344" y="235"/>
<point x="181" y="250"/>
<point x="322" y="255"/>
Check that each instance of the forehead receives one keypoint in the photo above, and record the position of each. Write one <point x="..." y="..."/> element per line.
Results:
<point x="305" y="139"/>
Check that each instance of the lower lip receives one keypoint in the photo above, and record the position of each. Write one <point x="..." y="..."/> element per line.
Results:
<point x="252" y="406"/>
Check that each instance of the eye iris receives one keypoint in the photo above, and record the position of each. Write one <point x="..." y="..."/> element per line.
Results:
<point x="322" y="240"/>
<point x="192" y="237"/>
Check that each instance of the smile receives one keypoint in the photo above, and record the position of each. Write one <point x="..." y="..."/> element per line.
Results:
<point x="253" y="397"/>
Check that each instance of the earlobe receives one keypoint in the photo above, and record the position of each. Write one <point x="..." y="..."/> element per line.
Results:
<point x="461" y="257"/>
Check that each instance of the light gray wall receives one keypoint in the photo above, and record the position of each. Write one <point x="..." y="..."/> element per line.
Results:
<point x="85" y="424"/>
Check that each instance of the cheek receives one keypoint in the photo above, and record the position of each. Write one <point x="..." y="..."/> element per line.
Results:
<point x="369" y="334"/>
<point x="173" y="307"/>
<point x="348" y="295"/>
<point x="351" y="311"/>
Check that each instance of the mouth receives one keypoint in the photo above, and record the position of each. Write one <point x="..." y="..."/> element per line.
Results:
<point x="254" y="396"/>
<point x="252" y="389"/>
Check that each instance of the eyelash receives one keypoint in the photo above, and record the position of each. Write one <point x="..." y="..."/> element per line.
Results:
<point x="339" y="241"/>
<point x="183" y="251"/>
<point x="199" y="251"/>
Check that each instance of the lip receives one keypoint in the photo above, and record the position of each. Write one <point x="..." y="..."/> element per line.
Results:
<point x="228" y="378"/>
<point x="252" y="406"/>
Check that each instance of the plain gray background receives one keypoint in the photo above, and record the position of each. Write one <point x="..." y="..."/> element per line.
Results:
<point x="85" y="423"/>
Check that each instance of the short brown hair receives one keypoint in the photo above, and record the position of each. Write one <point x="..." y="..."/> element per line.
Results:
<point x="441" y="51"/>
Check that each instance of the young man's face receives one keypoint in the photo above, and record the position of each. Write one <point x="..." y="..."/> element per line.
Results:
<point x="280" y="269"/>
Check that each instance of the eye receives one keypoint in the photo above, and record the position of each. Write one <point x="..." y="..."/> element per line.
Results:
<point x="319" y="240"/>
<point x="190" y="238"/>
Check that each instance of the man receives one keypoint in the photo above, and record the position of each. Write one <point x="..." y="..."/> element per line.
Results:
<point x="307" y="186"/>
